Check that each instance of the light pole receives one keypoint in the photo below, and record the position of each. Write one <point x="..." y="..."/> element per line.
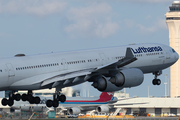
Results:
<point x="148" y="91"/>
<point x="165" y="84"/>
<point x="165" y="89"/>
<point x="125" y="92"/>
<point x="168" y="87"/>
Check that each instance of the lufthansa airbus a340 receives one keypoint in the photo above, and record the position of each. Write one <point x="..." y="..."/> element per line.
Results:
<point x="109" y="69"/>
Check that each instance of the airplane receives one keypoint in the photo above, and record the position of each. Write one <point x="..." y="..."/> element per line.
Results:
<point x="76" y="105"/>
<point x="73" y="105"/>
<point x="109" y="69"/>
<point x="103" y="104"/>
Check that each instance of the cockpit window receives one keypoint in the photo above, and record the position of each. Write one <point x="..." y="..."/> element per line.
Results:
<point x="173" y="50"/>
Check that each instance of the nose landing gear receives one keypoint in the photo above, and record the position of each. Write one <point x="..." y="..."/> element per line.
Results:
<point x="155" y="80"/>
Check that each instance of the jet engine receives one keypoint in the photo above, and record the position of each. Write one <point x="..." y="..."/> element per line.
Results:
<point x="74" y="110"/>
<point x="102" y="108"/>
<point x="130" y="77"/>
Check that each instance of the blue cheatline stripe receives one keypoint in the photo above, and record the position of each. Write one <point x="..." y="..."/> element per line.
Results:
<point x="112" y="99"/>
<point x="83" y="103"/>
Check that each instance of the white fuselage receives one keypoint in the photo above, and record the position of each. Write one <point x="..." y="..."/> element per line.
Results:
<point x="29" y="72"/>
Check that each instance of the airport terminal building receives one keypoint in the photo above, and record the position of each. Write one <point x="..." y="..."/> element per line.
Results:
<point x="153" y="106"/>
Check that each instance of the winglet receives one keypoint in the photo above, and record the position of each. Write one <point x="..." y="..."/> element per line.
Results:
<point x="129" y="53"/>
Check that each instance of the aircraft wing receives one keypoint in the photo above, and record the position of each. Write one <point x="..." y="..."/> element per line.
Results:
<point x="129" y="58"/>
<point x="69" y="77"/>
<point x="55" y="79"/>
<point x="127" y="104"/>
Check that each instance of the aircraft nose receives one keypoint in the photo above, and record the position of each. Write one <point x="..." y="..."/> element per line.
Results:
<point x="177" y="56"/>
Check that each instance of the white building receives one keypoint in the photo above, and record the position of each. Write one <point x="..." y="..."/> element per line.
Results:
<point x="153" y="106"/>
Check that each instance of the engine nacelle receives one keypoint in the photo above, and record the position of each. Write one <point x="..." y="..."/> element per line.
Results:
<point x="74" y="111"/>
<point x="102" y="108"/>
<point x="125" y="78"/>
<point x="103" y="85"/>
<point x="128" y="78"/>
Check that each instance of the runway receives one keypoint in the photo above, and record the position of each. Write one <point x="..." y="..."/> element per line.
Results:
<point x="138" y="118"/>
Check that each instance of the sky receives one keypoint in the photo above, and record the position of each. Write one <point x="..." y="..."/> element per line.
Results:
<point x="45" y="26"/>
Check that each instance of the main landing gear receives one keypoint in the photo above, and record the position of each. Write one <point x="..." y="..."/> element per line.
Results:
<point x="25" y="97"/>
<point x="56" y="98"/>
<point x="33" y="100"/>
<point x="155" y="80"/>
<point x="29" y="97"/>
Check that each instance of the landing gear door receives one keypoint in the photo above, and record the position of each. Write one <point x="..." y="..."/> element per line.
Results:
<point x="10" y="70"/>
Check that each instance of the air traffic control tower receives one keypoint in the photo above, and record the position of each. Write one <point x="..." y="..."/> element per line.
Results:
<point x="173" y="23"/>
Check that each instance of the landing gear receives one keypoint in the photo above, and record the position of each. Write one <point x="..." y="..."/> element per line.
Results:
<point x="155" y="80"/>
<point x="6" y="101"/>
<point x="29" y="97"/>
<point x="33" y="100"/>
<point x="25" y="97"/>
<point x="56" y="98"/>
<point x="11" y="99"/>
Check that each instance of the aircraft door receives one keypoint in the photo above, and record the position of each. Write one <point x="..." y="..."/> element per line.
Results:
<point x="10" y="70"/>
<point x="103" y="58"/>
<point x="64" y="64"/>
<point x="168" y="57"/>
<point x="11" y="73"/>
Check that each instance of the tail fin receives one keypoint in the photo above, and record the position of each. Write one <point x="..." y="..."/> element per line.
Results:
<point x="106" y="96"/>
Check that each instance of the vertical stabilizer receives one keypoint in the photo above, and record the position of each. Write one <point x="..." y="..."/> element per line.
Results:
<point x="106" y="96"/>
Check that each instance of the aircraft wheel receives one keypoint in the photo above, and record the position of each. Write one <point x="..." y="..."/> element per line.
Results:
<point x="158" y="81"/>
<point x="29" y="97"/>
<point x="49" y="103"/>
<point x="24" y="97"/>
<point x="62" y="98"/>
<point x="32" y="100"/>
<point x="154" y="82"/>
<point x="55" y="103"/>
<point x="17" y="97"/>
<point x="37" y="100"/>
<point x="10" y="102"/>
<point x="4" y="102"/>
